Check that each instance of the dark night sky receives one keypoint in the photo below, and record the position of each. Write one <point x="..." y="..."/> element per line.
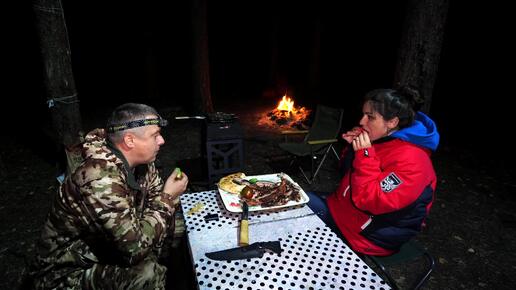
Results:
<point x="125" y="53"/>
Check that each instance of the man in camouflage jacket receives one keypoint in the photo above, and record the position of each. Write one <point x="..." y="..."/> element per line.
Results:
<point x="113" y="212"/>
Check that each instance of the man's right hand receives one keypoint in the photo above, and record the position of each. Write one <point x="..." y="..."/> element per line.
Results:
<point x="175" y="185"/>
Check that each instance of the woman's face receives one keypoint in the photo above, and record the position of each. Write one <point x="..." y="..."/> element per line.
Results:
<point x="373" y="122"/>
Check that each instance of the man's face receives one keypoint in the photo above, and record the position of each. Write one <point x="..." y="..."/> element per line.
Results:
<point x="147" y="144"/>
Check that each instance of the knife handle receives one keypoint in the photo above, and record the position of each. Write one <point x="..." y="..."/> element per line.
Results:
<point x="244" y="233"/>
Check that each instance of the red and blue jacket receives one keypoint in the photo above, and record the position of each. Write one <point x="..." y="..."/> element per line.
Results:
<point x="387" y="190"/>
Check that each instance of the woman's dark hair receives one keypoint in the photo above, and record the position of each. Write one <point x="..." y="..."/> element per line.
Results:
<point x="403" y="103"/>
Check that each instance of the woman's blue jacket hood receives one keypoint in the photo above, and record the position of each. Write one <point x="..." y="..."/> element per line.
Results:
<point x="423" y="132"/>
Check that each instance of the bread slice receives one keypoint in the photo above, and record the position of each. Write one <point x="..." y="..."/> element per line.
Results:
<point x="226" y="183"/>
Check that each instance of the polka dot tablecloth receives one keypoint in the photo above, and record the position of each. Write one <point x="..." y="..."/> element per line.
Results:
<point x="312" y="256"/>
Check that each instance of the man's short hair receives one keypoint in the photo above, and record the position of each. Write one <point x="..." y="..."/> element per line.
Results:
<point x="125" y="114"/>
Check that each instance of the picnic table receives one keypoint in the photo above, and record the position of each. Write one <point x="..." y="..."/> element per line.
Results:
<point x="312" y="256"/>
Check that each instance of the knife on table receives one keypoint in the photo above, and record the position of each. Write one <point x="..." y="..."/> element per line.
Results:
<point x="244" y="226"/>
<point x="254" y="250"/>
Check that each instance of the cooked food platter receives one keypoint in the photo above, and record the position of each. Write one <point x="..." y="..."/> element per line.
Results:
<point x="261" y="192"/>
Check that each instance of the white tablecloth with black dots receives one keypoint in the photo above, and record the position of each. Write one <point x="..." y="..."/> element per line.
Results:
<point x="313" y="257"/>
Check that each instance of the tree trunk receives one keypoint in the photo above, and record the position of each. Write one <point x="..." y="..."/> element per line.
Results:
<point x="202" y="86"/>
<point x="2" y="167"/>
<point x="420" y="49"/>
<point x="58" y="78"/>
<point x="315" y="60"/>
<point x="276" y="87"/>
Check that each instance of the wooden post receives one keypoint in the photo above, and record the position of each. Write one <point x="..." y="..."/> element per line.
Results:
<point x="59" y="81"/>
<point x="202" y="85"/>
<point x="420" y="49"/>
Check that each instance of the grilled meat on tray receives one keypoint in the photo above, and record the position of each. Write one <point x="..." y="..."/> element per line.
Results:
<point x="269" y="194"/>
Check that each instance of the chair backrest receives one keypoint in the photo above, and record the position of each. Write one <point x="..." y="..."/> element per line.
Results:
<point x="326" y="124"/>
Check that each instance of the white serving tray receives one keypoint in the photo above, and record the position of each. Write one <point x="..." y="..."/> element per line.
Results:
<point x="232" y="201"/>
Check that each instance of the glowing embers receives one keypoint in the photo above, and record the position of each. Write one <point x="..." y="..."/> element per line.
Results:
<point x="285" y="115"/>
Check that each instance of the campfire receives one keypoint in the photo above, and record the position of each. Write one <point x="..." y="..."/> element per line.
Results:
<point x="286" y="115"/>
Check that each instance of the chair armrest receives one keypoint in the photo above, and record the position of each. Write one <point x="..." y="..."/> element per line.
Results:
<point x="287" y="133"/>
<point x="291" y="132"/>
<point x="316" y="142"/>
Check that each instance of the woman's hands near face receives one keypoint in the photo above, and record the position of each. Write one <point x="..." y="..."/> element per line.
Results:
<point x="358" y="137"/>
<point x="361" y="141"/>
<point x="352" y="134"/>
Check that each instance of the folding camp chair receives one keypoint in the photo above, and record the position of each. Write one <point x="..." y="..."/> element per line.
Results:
<point x="410" y="251"/>
<point x="319" y="139"/>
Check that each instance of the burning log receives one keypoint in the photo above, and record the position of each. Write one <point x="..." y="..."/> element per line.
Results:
<point x="286" y="115"/>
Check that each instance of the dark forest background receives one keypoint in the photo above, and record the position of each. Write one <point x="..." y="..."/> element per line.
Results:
<point x="123" y="51"/>
<point x="142" y="52"/>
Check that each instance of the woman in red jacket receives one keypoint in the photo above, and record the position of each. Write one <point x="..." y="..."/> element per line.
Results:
<point x="389" y="180"/>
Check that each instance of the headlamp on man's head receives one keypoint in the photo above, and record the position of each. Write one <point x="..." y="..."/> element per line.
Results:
<point x="138" y="123"/>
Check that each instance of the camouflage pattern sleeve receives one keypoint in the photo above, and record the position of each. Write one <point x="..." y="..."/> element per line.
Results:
<point x="112" y="206"/>
<point x="156" y="199"/>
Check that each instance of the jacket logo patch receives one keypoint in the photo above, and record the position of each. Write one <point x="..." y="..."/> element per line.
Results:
<point x="390" y="182"/>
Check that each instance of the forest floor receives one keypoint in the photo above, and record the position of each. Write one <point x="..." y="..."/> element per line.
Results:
<point x="471" y="228"/>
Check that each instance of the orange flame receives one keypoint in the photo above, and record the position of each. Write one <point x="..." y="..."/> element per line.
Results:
<point x="286" y="104"/>
<point x="285" y="115"/>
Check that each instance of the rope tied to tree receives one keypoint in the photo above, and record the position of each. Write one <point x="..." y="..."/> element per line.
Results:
<point x="64" y="100"/>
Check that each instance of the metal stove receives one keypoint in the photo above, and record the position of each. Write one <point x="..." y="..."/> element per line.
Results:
<point x="224" y="145"/>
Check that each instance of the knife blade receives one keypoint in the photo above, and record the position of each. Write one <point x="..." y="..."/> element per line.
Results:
<point x="244" y="225"/>
<point x="254" y="250"/>
<point x="190" y="117"/>
<point x="280" y="219"/>
<point x="283" y="219"/>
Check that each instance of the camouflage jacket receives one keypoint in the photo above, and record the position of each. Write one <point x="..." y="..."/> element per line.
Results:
<point x="103" y="213"/>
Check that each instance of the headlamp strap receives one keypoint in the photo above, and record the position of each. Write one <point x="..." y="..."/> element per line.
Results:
<point x="138" y="123"/>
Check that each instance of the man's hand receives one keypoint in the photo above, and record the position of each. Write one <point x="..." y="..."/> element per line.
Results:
<point x="176" y="183"/>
